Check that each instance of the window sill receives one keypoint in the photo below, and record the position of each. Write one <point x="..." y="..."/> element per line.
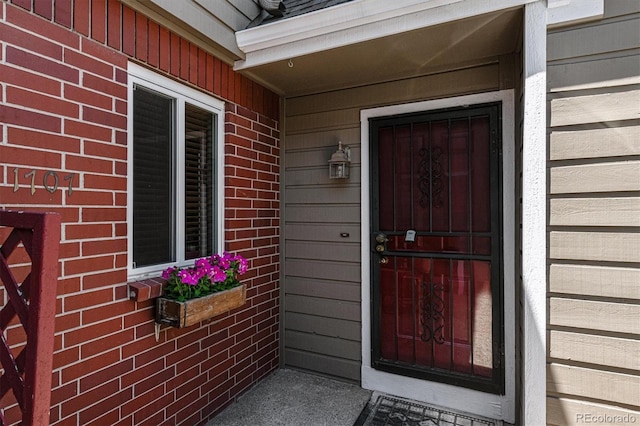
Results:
<point x="146" y="289"/>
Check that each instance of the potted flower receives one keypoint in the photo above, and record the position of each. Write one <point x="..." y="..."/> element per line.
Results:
<point x="208" y="288"/>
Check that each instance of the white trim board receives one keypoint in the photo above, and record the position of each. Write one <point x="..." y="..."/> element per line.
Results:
<point x="534" y="216"/>
<point x="500" y="407"/>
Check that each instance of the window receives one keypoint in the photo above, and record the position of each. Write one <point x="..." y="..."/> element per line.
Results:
<point x="175" y="197"/>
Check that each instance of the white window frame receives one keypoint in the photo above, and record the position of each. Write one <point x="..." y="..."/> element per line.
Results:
<point x="182" y="94"/>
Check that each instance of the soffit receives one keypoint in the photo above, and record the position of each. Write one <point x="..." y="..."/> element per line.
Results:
<point x="404" y="55"/>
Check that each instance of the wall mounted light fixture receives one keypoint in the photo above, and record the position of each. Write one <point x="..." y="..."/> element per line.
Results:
<point x="340" y="163"/>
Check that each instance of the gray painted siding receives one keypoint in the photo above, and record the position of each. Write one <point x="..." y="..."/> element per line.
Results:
<point x="321" y="285"/>
<point x="594" y="213"/>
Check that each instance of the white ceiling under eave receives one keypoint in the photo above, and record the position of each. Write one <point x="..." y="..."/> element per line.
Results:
<point x="408" y="54"/>
<point x="368" y="41"/>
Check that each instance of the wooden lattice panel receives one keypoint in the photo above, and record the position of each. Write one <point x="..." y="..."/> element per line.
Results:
<point x="31" y="297"/>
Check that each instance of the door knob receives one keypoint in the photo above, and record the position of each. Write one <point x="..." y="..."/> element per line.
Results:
<point x="380" y="248"/>
<point x="381" y="238"/>
<point x="383" y="260"/>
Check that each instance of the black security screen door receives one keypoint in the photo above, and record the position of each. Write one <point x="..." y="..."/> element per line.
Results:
<point x="436" y="239"/>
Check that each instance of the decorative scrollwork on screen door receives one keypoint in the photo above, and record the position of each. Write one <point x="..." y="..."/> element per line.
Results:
<point x="432" y="312"/>
<point x="430" y="177"/>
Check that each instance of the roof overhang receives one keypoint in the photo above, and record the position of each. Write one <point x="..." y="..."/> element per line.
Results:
<point x="367" y="41"/>
<point x="353" y="22"/>
<point x="362" y="20"/>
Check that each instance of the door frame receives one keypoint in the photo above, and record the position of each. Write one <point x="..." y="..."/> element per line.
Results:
<point x="500" y="407"/>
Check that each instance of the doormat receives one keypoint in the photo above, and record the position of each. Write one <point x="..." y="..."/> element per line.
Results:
<point x="387" y="411"/>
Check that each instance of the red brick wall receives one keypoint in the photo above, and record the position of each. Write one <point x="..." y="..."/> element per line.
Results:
<point x="63" y="106"/>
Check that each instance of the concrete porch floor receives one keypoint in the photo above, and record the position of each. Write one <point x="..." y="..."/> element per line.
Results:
<point x="293" y="398"/>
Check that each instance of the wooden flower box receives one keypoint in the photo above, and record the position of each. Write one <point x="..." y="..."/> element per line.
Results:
<point x="183" y="314"/>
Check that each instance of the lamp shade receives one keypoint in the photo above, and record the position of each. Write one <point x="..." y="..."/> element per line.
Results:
<point x="340" y="163"/>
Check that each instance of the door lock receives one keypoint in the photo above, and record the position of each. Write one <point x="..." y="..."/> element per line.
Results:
<point x="381" y="247"/>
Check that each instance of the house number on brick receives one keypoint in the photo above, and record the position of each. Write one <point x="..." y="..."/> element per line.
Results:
<point x="50" y="181"/>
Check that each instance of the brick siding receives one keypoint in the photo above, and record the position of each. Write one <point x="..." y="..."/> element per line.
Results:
<point x="63" y="126"/>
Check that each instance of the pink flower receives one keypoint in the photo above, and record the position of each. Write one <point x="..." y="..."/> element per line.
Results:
<point x="209" y="274"/>
<point x="243" y="265"/>
<point x="225" y="262"/>
<point x="187" y="278"/>
<point x="166" y="274"/>
<point x="203" y="264"/>
<point x="217" y="275"/>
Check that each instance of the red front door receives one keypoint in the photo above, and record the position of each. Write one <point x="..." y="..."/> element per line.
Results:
<point x="436" y="235"/>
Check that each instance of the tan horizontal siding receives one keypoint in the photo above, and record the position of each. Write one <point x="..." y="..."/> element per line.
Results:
<point x="571" y="412"/>
<point x="588" y="73"/>
<point x="323" y="251"/>
<point x="323" y="270"/>
<point x="602" y="177"/>
<point x="341" y="290"/>
<point x="319" y="176"/>
<point x="593" y="78"/>
<point x="595" y="108"/>
<point x="593" y="349"/>
<point x="617" y="8"/>
<point x="323" y="214"/>
<point x="608" y="36"/>
<point x="335" y="119"/>
<point x="329" y="327"/>
<point x="608" y="142"/>
<point x="322" y="139"/>
<point x="595" y="315"/>
<point x="595" y="384"/>
<point x="339" y="309"/>
<point x="329" y="232"/>
<point x="338" y="367"/>
<point x="595" y="212"/>
<point x="319" y="156"/>
<point x="324" y="345"/>
<point x="595" y="246"/>
<point x="322" y="195"/>
<point x="600" y="281"/>
<point x="470" y="80"/>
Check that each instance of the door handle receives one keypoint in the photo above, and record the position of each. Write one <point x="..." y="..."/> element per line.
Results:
<point x="381" y="238"/>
